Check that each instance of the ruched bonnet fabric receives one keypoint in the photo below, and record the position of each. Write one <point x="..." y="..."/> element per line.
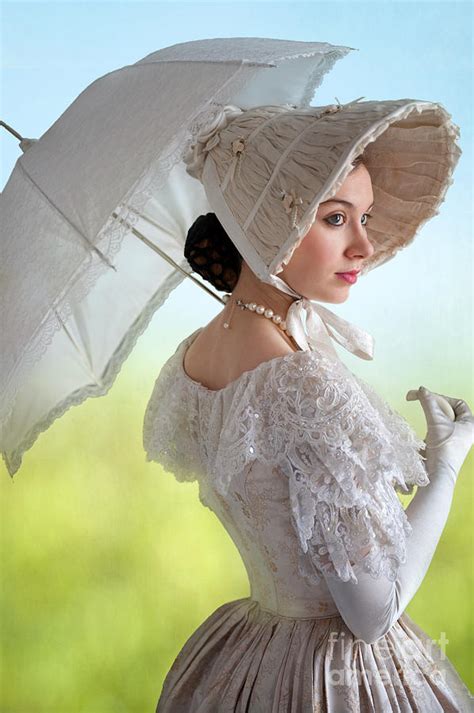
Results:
<point x="266" y="170"/>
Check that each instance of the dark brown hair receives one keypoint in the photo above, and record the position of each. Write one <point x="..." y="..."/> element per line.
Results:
<point x="213" y="255"/>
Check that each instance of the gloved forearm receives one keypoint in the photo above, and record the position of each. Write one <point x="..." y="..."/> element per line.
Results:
<point x="372" y="606"/>
<point x="427" y="514"/>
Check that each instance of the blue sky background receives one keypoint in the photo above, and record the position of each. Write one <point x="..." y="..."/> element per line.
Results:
<point x="85" y="488"/>
<point x="52" y="51"/>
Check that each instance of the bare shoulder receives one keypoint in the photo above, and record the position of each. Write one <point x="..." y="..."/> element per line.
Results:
<point x="218" y="356"/>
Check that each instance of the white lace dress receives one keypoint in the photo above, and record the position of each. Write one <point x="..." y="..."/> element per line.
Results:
<point x="300" y="460"/>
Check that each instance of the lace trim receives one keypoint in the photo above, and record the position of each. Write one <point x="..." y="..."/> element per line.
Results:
<point x="317" y="76"/>
<point x="172" y="435"/>
<point x="90" y="271"/>
<point x="79" y="286"/>
<point x="409" y="443"/>
<point x="13" y="459"/>
<point x="108" y="242"/>
<point x="344" y="450"/>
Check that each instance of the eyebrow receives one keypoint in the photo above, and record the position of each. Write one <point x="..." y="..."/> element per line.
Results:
<point x="339" y="200"/>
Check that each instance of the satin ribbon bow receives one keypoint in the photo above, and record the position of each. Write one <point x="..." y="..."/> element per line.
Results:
<point x="321" y="326"/>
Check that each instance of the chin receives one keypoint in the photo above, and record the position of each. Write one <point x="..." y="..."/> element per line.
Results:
<point x="331" y="297"/>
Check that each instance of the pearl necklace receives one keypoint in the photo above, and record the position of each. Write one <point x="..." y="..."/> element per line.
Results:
<point x="258" y="309"/>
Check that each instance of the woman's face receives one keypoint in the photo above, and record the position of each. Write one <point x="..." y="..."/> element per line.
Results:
<point x="336" y="242"/>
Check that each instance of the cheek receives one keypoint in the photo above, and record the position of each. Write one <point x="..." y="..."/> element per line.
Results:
<point x="318" y="248"/>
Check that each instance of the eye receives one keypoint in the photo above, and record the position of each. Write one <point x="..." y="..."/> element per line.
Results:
<point x="335" y="215"/>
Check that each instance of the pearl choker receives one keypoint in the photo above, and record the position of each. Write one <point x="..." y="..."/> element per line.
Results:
<point x="258" y="309"/>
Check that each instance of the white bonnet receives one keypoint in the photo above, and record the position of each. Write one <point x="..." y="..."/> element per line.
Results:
<point x="266" y="169"/>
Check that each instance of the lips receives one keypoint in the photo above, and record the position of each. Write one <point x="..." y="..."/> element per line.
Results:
<point x="348" y="272"/>
<point x="350" y="277"/>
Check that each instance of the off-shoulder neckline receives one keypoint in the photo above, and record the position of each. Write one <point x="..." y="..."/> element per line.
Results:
<point x="235" y="382"/>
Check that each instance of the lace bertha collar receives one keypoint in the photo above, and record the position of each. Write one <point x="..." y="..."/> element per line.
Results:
<point x="344" y="450"/>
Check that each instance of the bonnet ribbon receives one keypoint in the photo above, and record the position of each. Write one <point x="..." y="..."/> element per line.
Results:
<point x="321" y="326"/>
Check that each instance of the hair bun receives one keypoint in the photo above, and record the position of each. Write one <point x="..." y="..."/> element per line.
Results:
<point x="212" y="254"/>
<point x="206" y="136"/>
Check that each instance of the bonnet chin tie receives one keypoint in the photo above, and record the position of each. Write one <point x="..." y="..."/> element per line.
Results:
<point x="321" y="324"/>
<point x="313" y="326"/>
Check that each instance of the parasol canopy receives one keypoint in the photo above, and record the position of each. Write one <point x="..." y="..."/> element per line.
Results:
<point x="96" y="212"/>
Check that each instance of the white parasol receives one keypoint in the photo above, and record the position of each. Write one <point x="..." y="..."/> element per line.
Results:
<point x="95" y="216"/>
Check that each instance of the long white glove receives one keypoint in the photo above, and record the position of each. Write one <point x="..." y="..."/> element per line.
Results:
<point x="372" y="606"/>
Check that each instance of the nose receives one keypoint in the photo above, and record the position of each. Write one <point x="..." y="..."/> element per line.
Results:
<point x="360" y="243"/>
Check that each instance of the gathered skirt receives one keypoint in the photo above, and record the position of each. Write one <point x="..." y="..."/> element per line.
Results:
<point x="245" y="659"/>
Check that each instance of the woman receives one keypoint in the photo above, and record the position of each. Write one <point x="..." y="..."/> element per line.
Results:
<point x="216" y="357"/>
<point x="298" y="457"/>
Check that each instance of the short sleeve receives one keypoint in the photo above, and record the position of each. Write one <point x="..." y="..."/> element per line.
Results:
<point x="346" y="454"/>
<point x="170" y="432"/>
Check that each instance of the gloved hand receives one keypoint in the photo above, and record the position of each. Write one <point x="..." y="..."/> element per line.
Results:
<point x="371" y="607"/>
<point x="447" y="441"/>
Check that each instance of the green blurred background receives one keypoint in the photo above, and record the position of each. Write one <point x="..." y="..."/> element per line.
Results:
<point x="107" y="564"/>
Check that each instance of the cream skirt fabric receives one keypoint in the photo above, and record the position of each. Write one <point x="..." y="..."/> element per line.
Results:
<point x="243" y="658"/>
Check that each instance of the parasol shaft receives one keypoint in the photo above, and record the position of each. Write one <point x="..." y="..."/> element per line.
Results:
<point x="167" y="257"/>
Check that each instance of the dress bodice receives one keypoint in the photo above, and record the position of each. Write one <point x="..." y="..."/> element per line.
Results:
<point x="256" y="514"/>
<point x="300" y="460"/>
